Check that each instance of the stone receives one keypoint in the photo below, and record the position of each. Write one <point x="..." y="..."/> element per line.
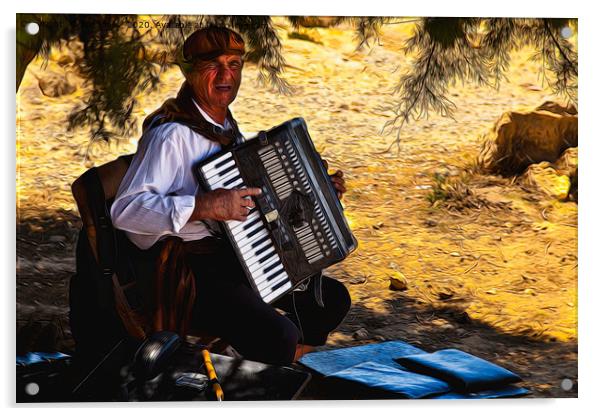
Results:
<point x="521" y="138"/>
<point x="566" y="164"/>
<point x="554" y="107"/>
<point x="543" y="177"/>
<point x="55" y="85"/>
<point x="398" y="281"/>
<point x="361" y="334"/>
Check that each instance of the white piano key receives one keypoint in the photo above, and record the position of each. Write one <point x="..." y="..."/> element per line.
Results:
<point x="233" y="225"/>
<point x="262" y="275"/>
<point x="256" y="269"/>
<point x="266" y="286"/>
<point x="230" y="186"/>
<point x="271" y="277"/>
<point x="270" y="297"/>
<point x="209" y="167"/>
<point x="259" y="243"/>
<point x="221" y="170"/>
<point x="270" y="251"/>
<point x="256" y="251"/>
<point x="222" y="179"/>
<point x="256" y="237"/>
<point x="242" y="238"/>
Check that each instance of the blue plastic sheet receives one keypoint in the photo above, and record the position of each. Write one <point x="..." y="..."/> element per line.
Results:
<point x="463" y="371"/>
<point x="393" y="379"/>
<point x="40" y="357"/>
<point x="374" y="365"/>
<point x="332" y="361"/>
<point x="502" y="392"/>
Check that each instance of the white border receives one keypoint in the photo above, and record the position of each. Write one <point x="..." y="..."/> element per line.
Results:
<point x="590" y="290"/>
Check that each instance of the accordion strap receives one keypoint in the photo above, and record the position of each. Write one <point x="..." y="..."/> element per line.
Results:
<point x="317" y="282"/>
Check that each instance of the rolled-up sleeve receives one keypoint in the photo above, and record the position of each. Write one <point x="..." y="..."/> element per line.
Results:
<point x="148" y="201"/>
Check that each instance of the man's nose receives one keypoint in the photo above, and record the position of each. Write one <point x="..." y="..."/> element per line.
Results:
<point x="224" y="74"/>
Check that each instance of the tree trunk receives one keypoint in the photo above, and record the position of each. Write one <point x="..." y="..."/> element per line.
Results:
<point x="28" y="46"/>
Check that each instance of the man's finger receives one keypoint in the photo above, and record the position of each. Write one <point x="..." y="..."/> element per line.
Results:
<point x="249" y="192"/>
<point x="341" y="189"/>
<point x="248" y="203"/>
<point x="336" y="179"/>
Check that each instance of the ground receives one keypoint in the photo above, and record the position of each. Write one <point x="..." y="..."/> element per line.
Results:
<point x="497" y="278"/>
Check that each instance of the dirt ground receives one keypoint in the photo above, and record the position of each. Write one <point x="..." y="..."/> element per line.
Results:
<point x="499" y="281"/>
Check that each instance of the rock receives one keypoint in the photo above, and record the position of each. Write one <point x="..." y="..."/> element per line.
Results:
<point x="57" y="239"/>
<point x="398" y="281"/>
<point x="567" y="162"/>
<point x="573" y="192"/>
<point x="543" y="177"/>
<point x="519" y="139"/>
<point x="445" y="294"/>
<point x="316" y="21"/>
<point x="358" y="280"/>
<point x="556" y="108"/>
<point x="56" y="85"/>
<point x="361" y="334"/>
<point x="430" y="223"/>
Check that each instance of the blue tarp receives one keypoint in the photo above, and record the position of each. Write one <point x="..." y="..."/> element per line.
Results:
<point x="374" y="365"/>
<point x="463" y="371"/>
<point x="331" y="361"/>
<point x="396" y="380"/>
<point x="40" y="357"/>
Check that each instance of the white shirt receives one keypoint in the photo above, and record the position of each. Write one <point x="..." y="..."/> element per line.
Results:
<point x="157" y="194"/>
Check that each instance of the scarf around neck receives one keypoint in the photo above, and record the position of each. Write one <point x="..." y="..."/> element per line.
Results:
<point x="183" y="110"/>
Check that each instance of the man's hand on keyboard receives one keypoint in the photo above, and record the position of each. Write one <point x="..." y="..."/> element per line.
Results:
<point x="224" y="204"/>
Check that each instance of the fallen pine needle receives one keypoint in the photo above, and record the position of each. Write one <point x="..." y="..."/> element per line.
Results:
<point x="472" y="267"/>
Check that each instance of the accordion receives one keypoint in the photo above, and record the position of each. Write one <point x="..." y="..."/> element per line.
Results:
<point x="297" y="227"/>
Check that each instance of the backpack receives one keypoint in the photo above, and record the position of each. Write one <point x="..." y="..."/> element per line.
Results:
<point x="104" y="306"/>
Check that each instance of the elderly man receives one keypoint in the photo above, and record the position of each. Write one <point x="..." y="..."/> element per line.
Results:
<point x="159" y="202"/>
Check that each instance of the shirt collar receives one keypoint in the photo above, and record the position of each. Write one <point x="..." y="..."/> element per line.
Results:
<point x="206" y="116"/>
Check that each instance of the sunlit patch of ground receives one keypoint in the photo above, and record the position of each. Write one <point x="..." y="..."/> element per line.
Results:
<point x="498" y="281"/>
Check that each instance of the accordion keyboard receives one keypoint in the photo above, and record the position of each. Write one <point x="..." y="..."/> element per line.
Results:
<point x="251" y="236"/>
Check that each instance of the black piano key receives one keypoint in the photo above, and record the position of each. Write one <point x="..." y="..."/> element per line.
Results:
<point x="260" y="241"/>
<point x="264" y="258"/>
<point x="226" y="171"/>
<point x="271" y="266"/>
<point x="273" y="275"/>
<point x="252" y="223"/>
<point x="231" y="180"/>
<point x="262" y="250"/>
<point x="222" y="163"/>
<point x="279" y="285"/>
<point x="255" y="231"/>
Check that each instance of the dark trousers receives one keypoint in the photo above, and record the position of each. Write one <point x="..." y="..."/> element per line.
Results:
<point x="227" y="307"/>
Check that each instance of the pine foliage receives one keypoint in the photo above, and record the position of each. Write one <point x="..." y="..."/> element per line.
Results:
<point x="122" y="59"/>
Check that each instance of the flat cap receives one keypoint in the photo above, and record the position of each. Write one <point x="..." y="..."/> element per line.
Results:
<point x="210" y="42"/>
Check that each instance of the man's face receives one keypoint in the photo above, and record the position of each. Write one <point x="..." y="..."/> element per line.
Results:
<point x="216" y="82"/>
